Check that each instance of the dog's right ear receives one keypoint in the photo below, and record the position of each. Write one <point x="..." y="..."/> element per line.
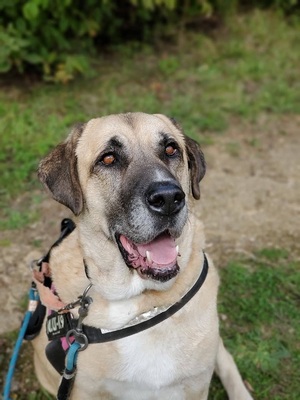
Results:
<point x="58" y="172"/>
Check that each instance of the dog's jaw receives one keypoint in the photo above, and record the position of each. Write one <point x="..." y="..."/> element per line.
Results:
<point x="111" y="277"/>
<point x="156" y="260"/>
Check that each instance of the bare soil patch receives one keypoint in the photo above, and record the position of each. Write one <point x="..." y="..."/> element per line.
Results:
<point x="250" y="200"/>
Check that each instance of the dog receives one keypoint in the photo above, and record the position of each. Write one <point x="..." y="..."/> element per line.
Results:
<point x="132" y="183"/>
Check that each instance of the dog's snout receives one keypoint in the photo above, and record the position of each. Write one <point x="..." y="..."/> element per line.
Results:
<point x="165" y="198"/>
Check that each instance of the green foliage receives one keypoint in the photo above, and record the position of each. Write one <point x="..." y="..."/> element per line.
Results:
<point x="56" y="38"/>
<point x="46" y="35"/>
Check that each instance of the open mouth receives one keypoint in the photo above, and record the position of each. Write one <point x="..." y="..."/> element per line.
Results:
<point x="156" y="260"/>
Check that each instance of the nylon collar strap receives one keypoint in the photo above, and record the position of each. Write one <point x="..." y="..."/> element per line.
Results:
<point x="95" y="335"/>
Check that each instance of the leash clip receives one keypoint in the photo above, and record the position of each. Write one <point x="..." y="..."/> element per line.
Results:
<point x="77" y="332"/>
<point x="36" y="264"/>
<point x="69" y="306"/>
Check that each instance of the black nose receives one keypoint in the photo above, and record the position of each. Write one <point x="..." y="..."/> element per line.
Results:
<point x="165" y="198"/>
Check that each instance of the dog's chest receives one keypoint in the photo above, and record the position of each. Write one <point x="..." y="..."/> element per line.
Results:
<point x="158" y="364"/>
<point x="165" y="359"/>
<point x="149" y="358"/>
<point x="164" y="354"/>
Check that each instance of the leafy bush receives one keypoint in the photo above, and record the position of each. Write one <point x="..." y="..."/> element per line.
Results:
<point x="54" y="37"/>
<point x="46" y="34"/>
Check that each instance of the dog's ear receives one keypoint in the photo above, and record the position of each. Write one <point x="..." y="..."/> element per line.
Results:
<point x="197" y="165"/>
<point x="58" y="172"/>
<point x="196" y="160"/>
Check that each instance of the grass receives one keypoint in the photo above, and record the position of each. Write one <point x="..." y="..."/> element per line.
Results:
<point x="240" y="71"/>
<point x="260" y="324"/>
<point x="259" y="301"/>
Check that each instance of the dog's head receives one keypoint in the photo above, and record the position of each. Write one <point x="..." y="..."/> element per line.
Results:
<point x="128" y="178"/>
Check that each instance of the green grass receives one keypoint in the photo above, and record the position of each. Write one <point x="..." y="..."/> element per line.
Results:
<point x="259" y="300"/>
<point x="247" y="68"/>
<point x="260" y="325"/>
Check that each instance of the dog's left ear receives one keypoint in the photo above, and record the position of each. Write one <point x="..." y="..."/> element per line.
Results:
<point x="197" y="165"/>
<point x="196" y="160"/>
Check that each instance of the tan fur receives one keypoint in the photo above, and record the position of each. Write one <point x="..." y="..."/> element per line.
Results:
<point x="175" y="359"/>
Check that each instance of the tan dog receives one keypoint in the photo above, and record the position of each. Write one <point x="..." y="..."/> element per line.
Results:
<point x="131" y="180"/>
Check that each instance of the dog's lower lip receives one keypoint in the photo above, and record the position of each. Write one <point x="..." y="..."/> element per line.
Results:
<point x="158" y="275"/>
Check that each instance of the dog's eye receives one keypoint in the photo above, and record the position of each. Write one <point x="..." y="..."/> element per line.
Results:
<point x="171" y="150"/>
<point x="108" y="159"/>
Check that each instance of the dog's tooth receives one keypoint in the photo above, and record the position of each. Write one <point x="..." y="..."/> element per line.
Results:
<point x="148" y="255"/>
<point x="177" y="249"/>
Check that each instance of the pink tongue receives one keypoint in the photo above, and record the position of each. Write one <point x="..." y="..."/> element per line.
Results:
<point x="162" y="250"/>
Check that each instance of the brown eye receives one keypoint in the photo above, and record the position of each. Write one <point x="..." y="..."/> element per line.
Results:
<point x="108" y="159"/>
<point x="171" y="150"/>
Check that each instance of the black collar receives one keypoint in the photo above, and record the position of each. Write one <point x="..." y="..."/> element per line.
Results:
<point x="95" y="335"/>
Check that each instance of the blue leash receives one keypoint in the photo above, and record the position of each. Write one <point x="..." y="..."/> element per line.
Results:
<point x="68" y="378"/>
<point x="33" y="299"/>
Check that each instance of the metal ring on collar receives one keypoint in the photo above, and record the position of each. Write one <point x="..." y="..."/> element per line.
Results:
<point x="80" y="338"/>
<point x="35" y="264"/>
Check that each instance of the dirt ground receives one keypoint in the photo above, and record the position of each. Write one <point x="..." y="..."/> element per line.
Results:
<point x="250" y="199"/>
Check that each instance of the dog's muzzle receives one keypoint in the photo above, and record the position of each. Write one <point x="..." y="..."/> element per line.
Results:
<point x="156" y="258"/>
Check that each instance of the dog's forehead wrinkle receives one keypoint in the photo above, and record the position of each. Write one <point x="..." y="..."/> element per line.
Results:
<point x="148" y="126"/>
<point x="115" y="142"/>
<point x="129" y="119"/>
<point x="164" y="136"/>
<point x="136" y="122"/>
